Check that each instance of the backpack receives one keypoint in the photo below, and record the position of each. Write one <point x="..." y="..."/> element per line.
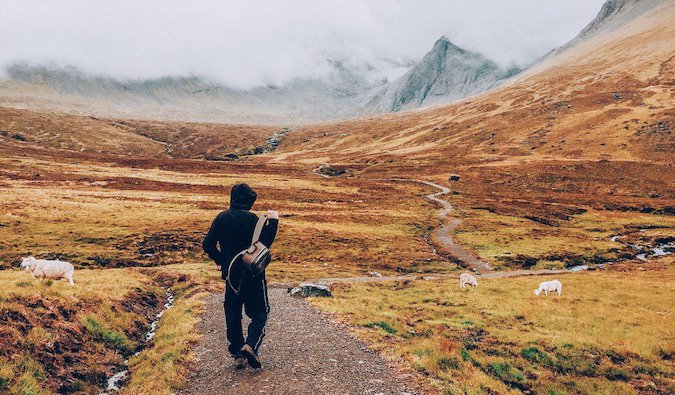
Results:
<point x="256" y="257"/>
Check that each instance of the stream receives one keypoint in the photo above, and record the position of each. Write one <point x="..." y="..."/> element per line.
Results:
<point x="114" y="382"/>
<point x="643" y="252"/>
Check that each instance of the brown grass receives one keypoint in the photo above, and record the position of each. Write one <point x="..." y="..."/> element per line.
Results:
<point x="609" y="331"/>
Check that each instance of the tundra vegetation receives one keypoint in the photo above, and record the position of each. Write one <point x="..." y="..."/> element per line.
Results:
<point x="552" y="165"/>
<point x="609" y="332"/>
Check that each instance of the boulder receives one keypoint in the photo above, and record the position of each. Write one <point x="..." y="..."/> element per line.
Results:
<point x="330" y="171"/>
<point x="311" y="290"/>
<point x="454" y="177"/>
<point x="374" y="274"/>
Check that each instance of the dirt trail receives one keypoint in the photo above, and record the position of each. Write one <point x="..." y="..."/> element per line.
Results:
<point x="303" y="353"/>
<point x="444" y="234"/>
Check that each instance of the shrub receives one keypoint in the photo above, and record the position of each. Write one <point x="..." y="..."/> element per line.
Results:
<point x="28" y="365"/>
<point x="615" y="374"/>
<point x="574" y="362"/>
<point x="104" y="334"/>
<point x="533" y="354"/>
<point x="644" y="368"/>
<point x="449" y="363"/>
<point x="6" y="374"/>
<point x="382" y="325"/>
<point x="508" y="374"/>
<point x="665" y="354"/>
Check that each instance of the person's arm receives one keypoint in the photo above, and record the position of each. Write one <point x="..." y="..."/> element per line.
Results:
<point x="269" y="231"/>
<point x="210" y="244"/>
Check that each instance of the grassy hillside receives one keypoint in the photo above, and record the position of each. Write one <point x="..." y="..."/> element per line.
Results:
<point x="609" y="331"/>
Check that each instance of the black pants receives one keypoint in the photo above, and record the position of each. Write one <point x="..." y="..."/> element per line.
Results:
<point x="253" y="298"/>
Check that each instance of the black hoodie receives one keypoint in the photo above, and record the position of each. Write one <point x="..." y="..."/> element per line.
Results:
<point x="233" y="229"/>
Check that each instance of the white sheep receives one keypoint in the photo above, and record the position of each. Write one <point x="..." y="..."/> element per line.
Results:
<point x="467" y="279"/>
<point x="54" y="270"/>
<point x="549" y="286"/>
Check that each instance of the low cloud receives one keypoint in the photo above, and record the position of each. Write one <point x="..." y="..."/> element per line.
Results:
<point x="246" y="44"/>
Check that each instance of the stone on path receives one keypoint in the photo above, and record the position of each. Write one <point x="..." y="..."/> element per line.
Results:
<point x="308" y="290"/>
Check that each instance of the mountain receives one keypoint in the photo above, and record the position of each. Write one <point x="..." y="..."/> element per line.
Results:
<point x="446" y="73"/>
<point x="613" y="14"/>
<point x="192" y="98"/>
<point x="608" y="96"/>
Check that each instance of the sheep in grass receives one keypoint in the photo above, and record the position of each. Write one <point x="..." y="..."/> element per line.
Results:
<point x="467" y="279"/>
<point x="549" y="286"/>
<point x="53" y="270"/>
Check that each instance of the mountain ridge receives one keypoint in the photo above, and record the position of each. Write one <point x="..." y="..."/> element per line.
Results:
<point x="446" y="73"/>
<point x="345" y="92"/>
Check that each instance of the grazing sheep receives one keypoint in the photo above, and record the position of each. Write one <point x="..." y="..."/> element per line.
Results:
<point x="467" y="279"/>
<point x="549" y="286"/>
<point x="54" y="270"/>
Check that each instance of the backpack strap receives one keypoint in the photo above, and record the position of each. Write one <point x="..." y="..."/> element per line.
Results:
<point x="258" y="229"/>
<point x="256" y="236"/>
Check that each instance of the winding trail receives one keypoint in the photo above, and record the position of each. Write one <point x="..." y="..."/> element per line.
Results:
<point x="443" y="235"/>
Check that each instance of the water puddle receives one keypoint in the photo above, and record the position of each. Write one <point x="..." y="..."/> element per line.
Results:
<point x="115" y="381"/>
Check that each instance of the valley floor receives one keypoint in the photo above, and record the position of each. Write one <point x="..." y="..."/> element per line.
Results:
<point x="133" y="227"/>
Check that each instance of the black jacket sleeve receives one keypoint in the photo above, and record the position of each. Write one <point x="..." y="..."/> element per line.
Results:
<point x="210" y="243"/>
<point x="268" y="232"/>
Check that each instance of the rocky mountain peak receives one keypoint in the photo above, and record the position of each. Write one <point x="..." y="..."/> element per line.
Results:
<point x="445" y="73"/>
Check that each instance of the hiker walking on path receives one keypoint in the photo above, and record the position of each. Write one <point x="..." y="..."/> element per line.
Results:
<point x="234" y="243"/>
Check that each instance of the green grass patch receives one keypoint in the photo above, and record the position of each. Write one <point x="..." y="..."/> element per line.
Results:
<point x="382" y="325"/>
<point x="105" y="334"/>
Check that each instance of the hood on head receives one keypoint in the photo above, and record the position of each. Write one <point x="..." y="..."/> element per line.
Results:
<point x="242" y="197"/>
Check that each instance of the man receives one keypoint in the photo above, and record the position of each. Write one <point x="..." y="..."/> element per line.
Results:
<point x="232" y="230"/>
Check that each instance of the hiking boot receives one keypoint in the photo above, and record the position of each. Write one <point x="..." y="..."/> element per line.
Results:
<point x="239" y="362"/>
<point x="251" y="357"/>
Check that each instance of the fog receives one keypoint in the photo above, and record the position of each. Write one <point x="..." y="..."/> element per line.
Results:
<point x="245" y="44"/>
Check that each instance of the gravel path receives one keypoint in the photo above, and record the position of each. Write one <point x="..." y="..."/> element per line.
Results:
<point x="303" y="353"/>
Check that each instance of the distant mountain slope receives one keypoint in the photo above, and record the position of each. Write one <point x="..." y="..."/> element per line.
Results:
<point x="446" y="73"/>
<point x="195" y="98"/>
<point x="607" y="97"/>
<point x="612" y="15"/>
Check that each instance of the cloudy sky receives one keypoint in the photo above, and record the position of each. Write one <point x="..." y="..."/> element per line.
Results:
<point x="244" y="44"/>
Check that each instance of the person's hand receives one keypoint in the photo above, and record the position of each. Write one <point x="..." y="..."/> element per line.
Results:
<point x="218" y="267"/>
<point x="272" y="214"/>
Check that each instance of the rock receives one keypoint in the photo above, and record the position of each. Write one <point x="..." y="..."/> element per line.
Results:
<point x="330" y="171"/>
<point x="374" y="274"/>
<point x="454" y="177"/>
<point x="311" y="290"/>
